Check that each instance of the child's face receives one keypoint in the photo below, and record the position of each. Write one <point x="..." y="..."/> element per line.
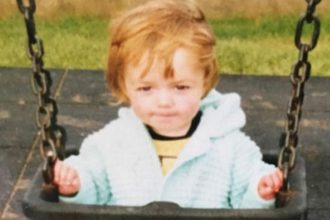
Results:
<point x="168" y="105"/>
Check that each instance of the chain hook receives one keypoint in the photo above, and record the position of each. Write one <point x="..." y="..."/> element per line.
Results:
<point x="23" y="8"/>
<point x="28" y="12"/>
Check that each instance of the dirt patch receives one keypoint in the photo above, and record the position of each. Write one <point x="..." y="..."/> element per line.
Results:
<point x="24" y="184"/>
<point x="259" y="100"/>
<point x="4" y="114"/>
<point x="81" y="99"/>
<point x="314" y="123"/>
<point x="78" y="122"/>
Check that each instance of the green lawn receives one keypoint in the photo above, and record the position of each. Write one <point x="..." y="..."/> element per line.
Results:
<point x="259" y="46"/>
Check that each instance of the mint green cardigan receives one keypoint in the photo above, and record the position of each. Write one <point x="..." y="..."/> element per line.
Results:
<point x="220" y="166"/>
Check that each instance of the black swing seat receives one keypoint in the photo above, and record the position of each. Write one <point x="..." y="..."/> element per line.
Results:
<point x="36" y="207"/>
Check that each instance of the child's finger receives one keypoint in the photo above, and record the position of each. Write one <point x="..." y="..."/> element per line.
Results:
<point x="64" y="171"/>
<point x="276" y="182"/>
<point x="266" y="189"/>
<point x="71" y="175"/>
<point x="277" y="178"/>
<point x="76" y="184"/>
<point x="57" y="170"/>
<point x="280" y="174"/>
<point x="66" y="186"/>
<point x="267" y="182"/>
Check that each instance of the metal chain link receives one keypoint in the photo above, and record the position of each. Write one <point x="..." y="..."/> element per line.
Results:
<point x="299" y="75"/>
<point x="53" y="136"/>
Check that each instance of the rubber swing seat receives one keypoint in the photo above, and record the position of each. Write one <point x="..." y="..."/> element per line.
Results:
<point x="36" y="206"/>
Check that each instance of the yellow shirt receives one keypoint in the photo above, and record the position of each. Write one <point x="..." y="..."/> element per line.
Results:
<point x="168" y="151"/>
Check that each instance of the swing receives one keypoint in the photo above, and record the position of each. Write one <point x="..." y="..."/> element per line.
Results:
<point x="41" y="199"/>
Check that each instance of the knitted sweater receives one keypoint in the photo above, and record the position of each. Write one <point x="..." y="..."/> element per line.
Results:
<point x="219" y="167"/>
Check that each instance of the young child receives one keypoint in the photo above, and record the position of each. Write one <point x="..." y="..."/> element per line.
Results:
<point x="179" y="140"/>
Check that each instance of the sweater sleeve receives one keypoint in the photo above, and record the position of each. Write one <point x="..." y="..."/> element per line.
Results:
<point x="94" y="184"/>
<point x="248" y="168"/>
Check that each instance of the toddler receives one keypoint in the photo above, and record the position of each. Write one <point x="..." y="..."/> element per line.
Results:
<point x="178" y="140"/>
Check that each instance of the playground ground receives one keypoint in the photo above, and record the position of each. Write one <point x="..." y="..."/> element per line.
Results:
<point x="84" y="107"/>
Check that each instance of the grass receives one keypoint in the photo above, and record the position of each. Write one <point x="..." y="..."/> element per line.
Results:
<point x="69" y="42"/>
<point x="244" y="45"/>
<point x="265" y="46"/>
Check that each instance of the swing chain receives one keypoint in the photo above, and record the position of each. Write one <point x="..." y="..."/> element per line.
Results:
<point x="53" y="136"/>
<point x="300" y="73"/>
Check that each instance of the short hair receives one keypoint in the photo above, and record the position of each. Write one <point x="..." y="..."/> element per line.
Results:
<point x="160" y="27"/>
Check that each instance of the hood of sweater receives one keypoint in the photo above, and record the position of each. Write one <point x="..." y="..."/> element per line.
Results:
<point x="222" y="113"/>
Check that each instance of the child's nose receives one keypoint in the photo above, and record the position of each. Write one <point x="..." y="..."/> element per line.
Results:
<point x="165" y="98"/>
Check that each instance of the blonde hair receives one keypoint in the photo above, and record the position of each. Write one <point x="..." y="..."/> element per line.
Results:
<point x="159" y="27"/>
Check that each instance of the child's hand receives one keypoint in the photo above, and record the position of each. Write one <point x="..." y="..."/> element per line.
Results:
<point x="66" y="178"/>
<point x="270" y="184"/>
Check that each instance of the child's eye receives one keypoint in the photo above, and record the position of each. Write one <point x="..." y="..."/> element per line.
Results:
<point x="182" y="87"/>
<point x="144" y="88"/>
